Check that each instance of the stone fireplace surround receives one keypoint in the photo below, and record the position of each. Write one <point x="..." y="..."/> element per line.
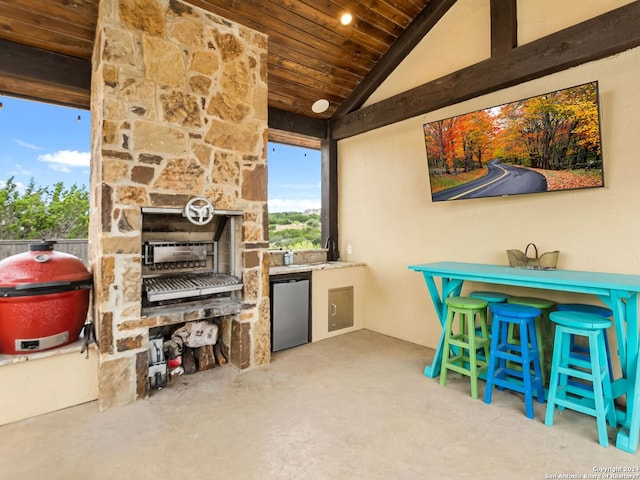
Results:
<point x="179" y="109"/>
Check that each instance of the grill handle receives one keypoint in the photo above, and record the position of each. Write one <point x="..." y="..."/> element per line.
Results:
<point x="42" y="285"/>
<point x="44" y="288"/>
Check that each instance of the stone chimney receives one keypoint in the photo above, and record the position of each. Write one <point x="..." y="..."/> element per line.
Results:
<point x="179" y="109"/>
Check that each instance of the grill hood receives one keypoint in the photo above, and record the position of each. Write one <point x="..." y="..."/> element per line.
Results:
<point x="42" y="270"/>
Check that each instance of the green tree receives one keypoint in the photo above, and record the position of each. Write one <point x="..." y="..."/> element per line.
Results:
<point x="69" y="212"/>
<point x="43" y="212"/>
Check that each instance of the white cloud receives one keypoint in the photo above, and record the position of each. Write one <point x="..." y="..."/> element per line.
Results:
<point x="20" y="170"/>
<point x="66" y="158"/>
<point x="27" y="145"/>
<point x="58" y="167"/>
<point x="288" y="205"/>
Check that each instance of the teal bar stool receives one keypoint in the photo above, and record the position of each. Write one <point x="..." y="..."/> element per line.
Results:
<point x="461" y="344"/>
<point x="583" y="350"/>
<point x="505" y="354"/>
<point x="490" y="298"/>
<point x="597" y="401"/>
<point x="543" y="329"/>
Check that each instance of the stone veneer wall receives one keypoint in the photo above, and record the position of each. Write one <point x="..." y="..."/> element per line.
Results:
<point x="179" y="109"/>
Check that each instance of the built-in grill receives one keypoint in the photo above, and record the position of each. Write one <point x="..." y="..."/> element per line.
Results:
<point x="187" y="262"/>
<point x="188" y="284"/>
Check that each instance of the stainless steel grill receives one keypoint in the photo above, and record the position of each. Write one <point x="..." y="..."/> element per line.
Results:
<point x="172" y="255"/>
<point x="189" y="285"/>
<point x="187" y="260"/>
<point x="186" y="263"/>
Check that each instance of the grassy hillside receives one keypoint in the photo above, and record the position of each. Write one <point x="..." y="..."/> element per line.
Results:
<point x="294" y="230"/>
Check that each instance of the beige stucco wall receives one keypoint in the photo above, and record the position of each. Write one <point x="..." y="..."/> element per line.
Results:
<point x="464" y="27"/>
<point x="537" y="18"/>
<point x="386" y="213"/>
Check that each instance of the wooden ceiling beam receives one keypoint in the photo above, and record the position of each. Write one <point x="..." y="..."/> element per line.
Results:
<point x="504" y="26"/>
<point x="288" y="138"/>
<point x="406" y="42"/>
<point x="295" y="123"/>
<point x="600" y="37"/>
<point x="22" y="67"/>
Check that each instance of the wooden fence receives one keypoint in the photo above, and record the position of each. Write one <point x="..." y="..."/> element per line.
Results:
<point x="77" y="247"/>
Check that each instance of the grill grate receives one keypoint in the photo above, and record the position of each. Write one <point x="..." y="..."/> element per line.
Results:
<point x="171" y="287"/>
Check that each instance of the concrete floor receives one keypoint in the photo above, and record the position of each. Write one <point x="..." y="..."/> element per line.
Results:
<point x="355" y="406"/>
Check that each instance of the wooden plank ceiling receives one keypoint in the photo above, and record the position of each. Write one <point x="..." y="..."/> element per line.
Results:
<point x="311" y="55"/>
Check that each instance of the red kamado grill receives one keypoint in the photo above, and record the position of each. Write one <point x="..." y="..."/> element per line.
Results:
<point x="44" y="299"/>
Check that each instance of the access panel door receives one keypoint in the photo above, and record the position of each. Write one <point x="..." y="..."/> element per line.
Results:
<point x="340" y="308"/>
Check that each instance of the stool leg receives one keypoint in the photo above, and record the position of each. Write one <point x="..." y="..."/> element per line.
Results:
<point x="484" y="330"/>
<point x="448" y="326"/>
<point x="537" y="361"/>
<point x="513" y="337"/>
<point x="495" y="334"/>
<point x="540" y="348"/>
<point x="563" y="379"/>
<point x="473" y="363"/>
<point x="554" y="380"/>
<point x="504" y="337"/>
<point x="598" y="394"/>
<point x="608" y="352"/>
<point x="461" y="330"/>
<point x="526" y="369"/>
<point x="606" y="384"/>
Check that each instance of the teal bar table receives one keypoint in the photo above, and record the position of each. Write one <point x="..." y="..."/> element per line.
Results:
<point x="618" y="291"/>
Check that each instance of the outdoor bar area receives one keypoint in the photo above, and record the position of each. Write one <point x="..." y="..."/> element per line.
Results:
<point x="473" y="310"/>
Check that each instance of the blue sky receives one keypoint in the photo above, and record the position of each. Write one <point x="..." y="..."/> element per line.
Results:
<point x="294" y="178"/>
<point x="49" y="144"/>
<point x="44" y="142"/>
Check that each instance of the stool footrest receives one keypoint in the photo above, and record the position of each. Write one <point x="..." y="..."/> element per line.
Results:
<point x="517" y="387"/>
<point x="579" y="362"/>
<point x="501" y="373"/>
<point x="466" y="371"/>
<point x="458" y="342"/>
<point x="582" y="405"/>
<point x="575" y="373"/>
<point x="576" y="392"/>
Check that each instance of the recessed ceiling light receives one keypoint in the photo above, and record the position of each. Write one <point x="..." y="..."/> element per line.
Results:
<point x="320" y="106"/>
<point x="346" y="19"/>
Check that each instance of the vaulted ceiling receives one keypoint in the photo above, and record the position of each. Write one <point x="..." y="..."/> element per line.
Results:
<point x="46" y="48"/>
<point x="312" y="55"/>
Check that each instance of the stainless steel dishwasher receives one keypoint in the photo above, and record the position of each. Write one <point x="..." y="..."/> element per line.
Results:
<point x="290" y="310"/>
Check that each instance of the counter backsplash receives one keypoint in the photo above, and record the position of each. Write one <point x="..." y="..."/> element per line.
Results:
<point x="319" y="255"/>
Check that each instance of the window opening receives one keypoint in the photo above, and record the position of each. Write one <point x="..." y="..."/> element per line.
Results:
<point x="44" y="170"/>
<point x="294" y="197"/>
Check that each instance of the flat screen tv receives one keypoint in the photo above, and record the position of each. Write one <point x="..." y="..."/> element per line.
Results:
<point x="545" y="143"/>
